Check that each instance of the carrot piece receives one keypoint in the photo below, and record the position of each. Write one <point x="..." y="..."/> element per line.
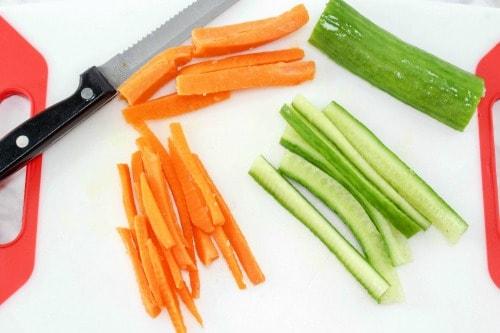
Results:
<point x="154" y="215"/>
<point x="198" y="210"/>
<point x="194" y="281"/>
<point x="147" y="297"/>
<point x="170" y="105"/>
<point x="137" y="170"/>
<point x="174" y="268"/>
<point x="228" y="254"/>
<point x="236" y="237"/>
<point x="182" y="148"/>
<point x="187" y="299"/>
<point x="244" y="60"/>
<point x="167" y="293"/>
<point x="154" y="74"/>
<point x="205" y="247"/>
<point x="127" y="193"/>
<point x="233" y="38"/>
<point x="279" y="74"/>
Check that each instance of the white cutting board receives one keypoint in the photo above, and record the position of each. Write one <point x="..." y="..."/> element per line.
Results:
<point x="83" y="281"/>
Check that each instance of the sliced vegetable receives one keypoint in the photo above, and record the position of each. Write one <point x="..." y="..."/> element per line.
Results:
<point x="244" y="60"/>
<point x="233" y="38"/>
<point x="127" y="193"/>
<point x="429" y="84"/>
<point x="187" y="299"/>
<point x="398" y="174"/>
<point x="297" y="205"/>
<point x="154" y="74"/>
<point x="170" y="105"/>
<point x="173" y="267"/>
<point x="279" y="74"/>
<point x="205" y="247"/>
<point x="341" y="201"/>
<point x="228" y="253"/>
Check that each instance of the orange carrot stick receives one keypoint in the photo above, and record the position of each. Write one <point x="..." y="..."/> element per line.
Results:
<point x="182" y="148"/>
<point x="154" y="215"/>
<point x="198" y="210"/>
<point x="167" y="293"/>
<point x="236" y="237"/>
<point x="147" y="297"/>
<point x="137" y="170"/>
<point x="154" y="74"/>
<point x="170" y="105"/>
<point x="174" y="268"/>
<point x="244" y="60"/>
<point x="205" y="247"/>
<point x="279" y="74"/>
<point x="194" y="282"/>
<point x="228" y="254"/>
<point x="189" y="302"/>
<point x="127" y="193"/>
<point x="233" y="38"/>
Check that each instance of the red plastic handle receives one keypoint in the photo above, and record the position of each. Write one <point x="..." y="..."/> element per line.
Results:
<point x="489" y="69"/>
<point x="23" y="71"/>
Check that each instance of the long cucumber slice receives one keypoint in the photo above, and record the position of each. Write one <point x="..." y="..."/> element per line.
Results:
<point x="277" y="186"/>
<point x="318" y="119"/>
<point x="429" y="84"/>
<point x="398" y="174"/>
<point x="341" y="202"/>
<point x="396" y="242"/>
<point x="308" y="132"/>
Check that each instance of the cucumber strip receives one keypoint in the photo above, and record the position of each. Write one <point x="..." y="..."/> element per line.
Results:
<point x="417" y="78"/>
<point x="400" y="220"/>
<point x="321" y="122"/>
<point x="396" y="242"/>
<point x="398" y="174"/>
<point x="277" y="186"/>
<point x="342" y="203"/>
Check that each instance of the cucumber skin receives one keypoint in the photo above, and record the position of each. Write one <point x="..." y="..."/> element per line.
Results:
<point x="417" y="78"/>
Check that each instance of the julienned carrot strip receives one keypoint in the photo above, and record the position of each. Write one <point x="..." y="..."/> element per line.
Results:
<point x="170" y="105"/>
<point x="127" y="193"/>
<point x="278" y="74"/>
<point x="137" y="170"/>
<point x="167" y="293"/>
<point x="174" y="268"/>
<point x="154" y="215"/>
<point x="235" y="236"/>
<point x="244" y="60"/>
<point x="194" y="282"/>
<point x="189" y="302"/>
<point x="141" y="231"/>
<point x="228" y="254"/>
<point x="182" y="148"/>
<point x="198" y="210"/>
<point x="154" y="74"/>
<point x="147" y="297"/>
<point x="205" y="247"/>
<point x="214" y="41"/>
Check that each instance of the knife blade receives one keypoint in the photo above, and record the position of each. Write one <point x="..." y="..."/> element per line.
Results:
<point x="98" y="86"/>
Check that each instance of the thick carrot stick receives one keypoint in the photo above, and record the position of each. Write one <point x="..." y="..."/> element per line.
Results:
<point x="147" y="297"/>
<point x="154" y="215"/>
<point x="185" y="154"/>
<point x="170" y="105"/>
<point x="154" y="74"/>
<point x="279" y="74"/>
<point x="244" y="60"/>
<point x="205" y="247"/>
<point x="228" y="254"/>
<point x="174" y="268"/>
<point x="236" y="237"/>
<point x="197" y="208"/>
<point x="127" y="193"/>
<point x="214" y="41"/>
<point x="137" y="170"/>
<point x="167" y="293"/>
<point x="187" y="299"/>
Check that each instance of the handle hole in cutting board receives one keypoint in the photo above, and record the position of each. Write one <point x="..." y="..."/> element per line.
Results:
<point x="13" y="111"/>
<point x="496" y="133"/>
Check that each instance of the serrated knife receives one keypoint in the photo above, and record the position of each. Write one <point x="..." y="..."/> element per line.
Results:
<point x="98" y="85"/>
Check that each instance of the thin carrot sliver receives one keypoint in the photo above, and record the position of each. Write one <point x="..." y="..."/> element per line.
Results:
<point x="235" y="235"/>
<point x="187" y="299"/>
<point x="171" y="105"/>
<point x="194" y="282"/>
<point x="154" y="74"/>
<point x="127" y="193"/>
<point x="228" y="254"/>
<point x="147" y="297"/>
<point x="233" y="38"/>
<point x="205" y="247"/>
<point x="167" y="293"/>
<point x="278" y="74"/>
<point x="154" y="215"/>
<point x="180" y="143"/>
<point x="137" y="170"/>
<point x="244" y="60"/>
<point x="174" y="268"/>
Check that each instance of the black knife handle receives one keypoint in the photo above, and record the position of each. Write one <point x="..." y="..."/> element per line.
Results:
<point x="32" y="137"/>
